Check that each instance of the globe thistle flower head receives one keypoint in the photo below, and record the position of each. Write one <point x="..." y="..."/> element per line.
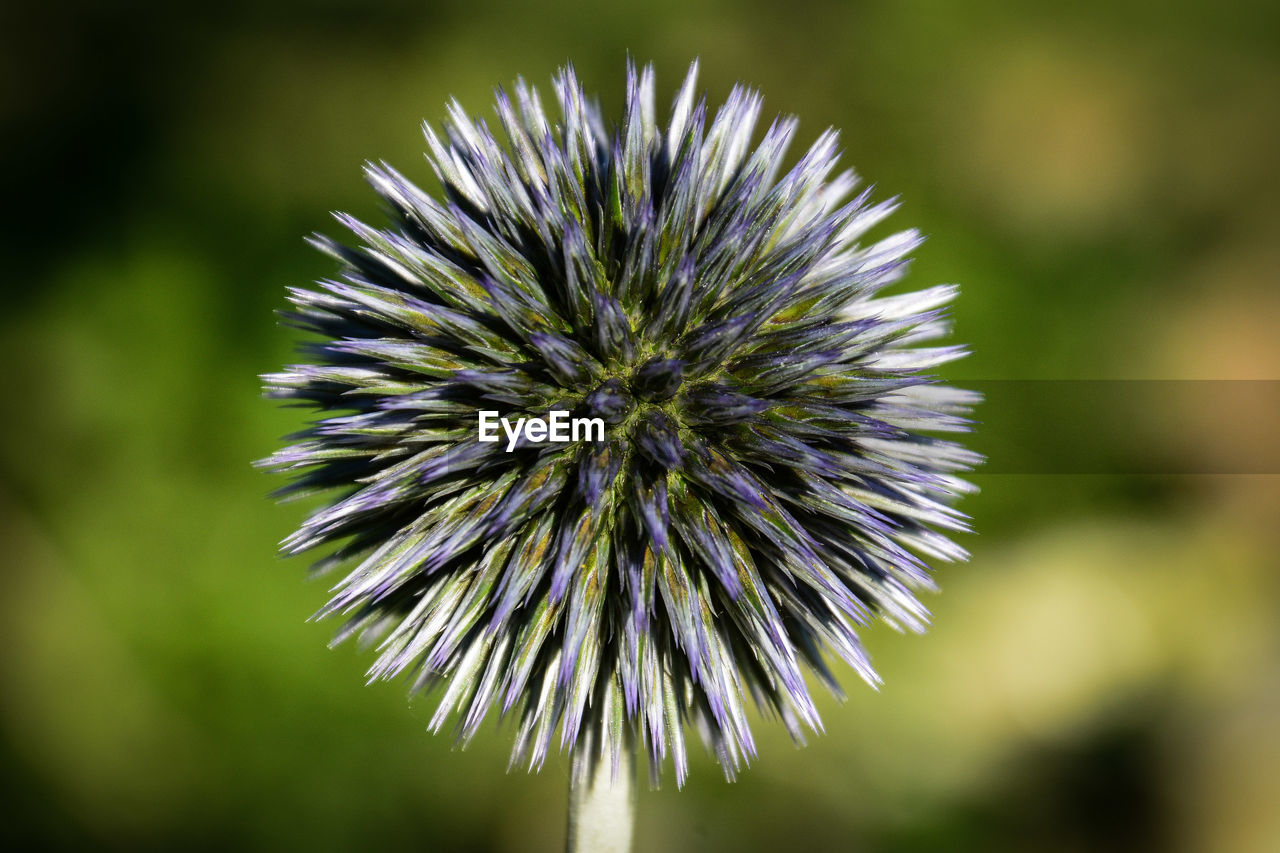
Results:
<point x="768" y="477"/>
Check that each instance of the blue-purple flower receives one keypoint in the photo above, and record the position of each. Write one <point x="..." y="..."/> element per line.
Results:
<point x="770" y="475"/>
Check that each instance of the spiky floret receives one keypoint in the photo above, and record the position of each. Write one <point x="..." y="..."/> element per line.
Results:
<point x="767" y="482"/>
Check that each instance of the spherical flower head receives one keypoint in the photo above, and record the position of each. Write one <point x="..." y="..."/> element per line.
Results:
<point x="767" y="478"/>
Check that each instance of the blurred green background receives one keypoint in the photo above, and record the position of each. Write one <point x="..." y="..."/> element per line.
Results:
<point x="1103" y="181"/>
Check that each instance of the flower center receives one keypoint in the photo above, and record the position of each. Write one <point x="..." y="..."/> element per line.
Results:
<point x="658" y="379"/>
<point x="611" y="402"/>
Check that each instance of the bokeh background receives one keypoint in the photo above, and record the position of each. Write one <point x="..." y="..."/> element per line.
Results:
<point x="1103" y="181"/>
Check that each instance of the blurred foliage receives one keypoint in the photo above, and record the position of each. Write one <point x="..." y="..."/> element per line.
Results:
<point x="1101" y="178"/>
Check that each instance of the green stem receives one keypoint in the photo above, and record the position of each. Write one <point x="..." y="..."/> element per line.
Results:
<point x="602" y="807"/>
